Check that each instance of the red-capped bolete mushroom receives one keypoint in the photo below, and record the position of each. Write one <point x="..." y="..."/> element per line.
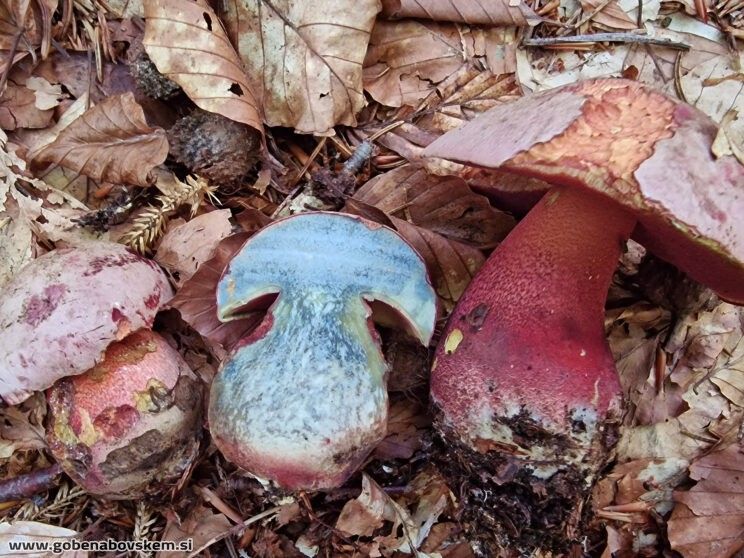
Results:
<point x="124" y="407"/>
<point x="303" y="400"/>
<point x="523" y="366"/>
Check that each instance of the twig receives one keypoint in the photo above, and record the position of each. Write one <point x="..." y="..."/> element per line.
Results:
<point x="220" y="505"/>
<point x="605" y="38"/>
<point x="25" y="486"/>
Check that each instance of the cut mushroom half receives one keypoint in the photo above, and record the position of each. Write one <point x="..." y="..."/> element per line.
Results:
<point x="303" y="400"/>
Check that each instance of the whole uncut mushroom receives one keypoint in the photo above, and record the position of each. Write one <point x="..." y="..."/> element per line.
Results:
<point x="523" y="366"/>
<point x="124" y="407"/>
<point x="303" y="400"/>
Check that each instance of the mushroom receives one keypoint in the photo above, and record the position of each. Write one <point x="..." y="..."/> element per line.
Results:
<point x="123" y="405"/>
<point x="303" y="400"/>
<point x="523" y="366"/>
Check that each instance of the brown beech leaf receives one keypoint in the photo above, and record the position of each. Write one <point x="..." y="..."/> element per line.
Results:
<point x="26" y="23"/>
<point x="405" y="59"/>
<point x="708" y="520"/>
<point x="610" y="15"/>
<point x="201" y="525"/>
<point x="18" y="109"/>
<point x="304" y="58"/>
<point x="188" y="44"/>
<point x="186" y="246"/>
<point x="197" y="298"/>
<point x="482" y="12"/>
<point x="407" y="423"/>
<point x="451" y="264"/>
<point x="110" y="142"/>
<point x="444" y="205"/>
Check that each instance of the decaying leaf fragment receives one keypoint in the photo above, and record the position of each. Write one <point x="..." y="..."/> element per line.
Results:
<point x="110" y="142"/>
<point x="188" y="44"/>
<point x="708" y="520"/>
<point x="415" y="513"/>
<point x="304" y="59"/>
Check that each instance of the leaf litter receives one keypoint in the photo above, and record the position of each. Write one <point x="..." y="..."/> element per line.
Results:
<point x="82" y="143"/>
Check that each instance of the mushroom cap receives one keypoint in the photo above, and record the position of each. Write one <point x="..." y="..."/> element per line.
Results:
<point x="60" y="312"/>
<point x="303" y="252"/>
<point x="638" y="147"/>
<point x="303" y="400"/>
<point x="130" y="420"/>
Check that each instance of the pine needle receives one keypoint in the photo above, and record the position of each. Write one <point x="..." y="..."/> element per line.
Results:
<point x="150" y="223"/>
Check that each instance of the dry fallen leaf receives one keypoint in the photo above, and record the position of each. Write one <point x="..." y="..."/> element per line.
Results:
<point x="186" y="246"/>
<point x="708" y="519"/>
<point x="481" y="12"/>
<point x="18" y="109"/>
<point x="706" y="371"/>
<point x="609" y="15"/>
<point x="188" y="44"/>
<point x="196" y="300"/>
<point x="444" y="205"/>
<point x="407" y="422"/>
<point x="406" y="59"/>
<point x="200" y="526"/>
<point x="304" y="59"/>
<point x="110" y="142"/>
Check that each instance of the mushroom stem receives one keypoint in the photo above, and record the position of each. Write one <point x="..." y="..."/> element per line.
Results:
<point x="524" y="364"/>
<point x="318" y="351"/>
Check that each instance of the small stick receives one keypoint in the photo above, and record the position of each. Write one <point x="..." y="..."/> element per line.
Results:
<point x="25" y="486"/>
<point x="219" y="504"/>
<point x="605" y="38"/>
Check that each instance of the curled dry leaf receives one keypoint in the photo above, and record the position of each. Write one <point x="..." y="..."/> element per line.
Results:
<point x="451" y="264"/>
<point x="304" y="59"/>
<point x="708" y="519"/>
<point x="444" y="205"/>
<point x="188" y="44"/>
<point x="428" y="494"/>
<point x="186" y="246"/>
<point x="197" y="298"/>
<point x="481" y="12"/>
<point x="25" y="24"/>
<point x="110" y="142"/>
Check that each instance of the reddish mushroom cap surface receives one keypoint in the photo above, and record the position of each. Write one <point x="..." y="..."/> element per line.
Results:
<point x="61" y="311"/>
<point x="646" y="151"/>
<point x="130" y="420"/>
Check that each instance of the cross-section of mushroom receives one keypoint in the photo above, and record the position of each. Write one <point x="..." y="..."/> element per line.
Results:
<point x="303" y="399"/>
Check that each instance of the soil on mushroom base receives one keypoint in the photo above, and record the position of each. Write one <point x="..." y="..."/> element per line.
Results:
<point x="507" y="512"/>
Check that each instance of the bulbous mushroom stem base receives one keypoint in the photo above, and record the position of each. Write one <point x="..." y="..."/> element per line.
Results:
<point x="523" y="378"/>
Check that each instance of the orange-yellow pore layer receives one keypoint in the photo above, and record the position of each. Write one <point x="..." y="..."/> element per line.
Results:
<point x="617" y="132"/>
